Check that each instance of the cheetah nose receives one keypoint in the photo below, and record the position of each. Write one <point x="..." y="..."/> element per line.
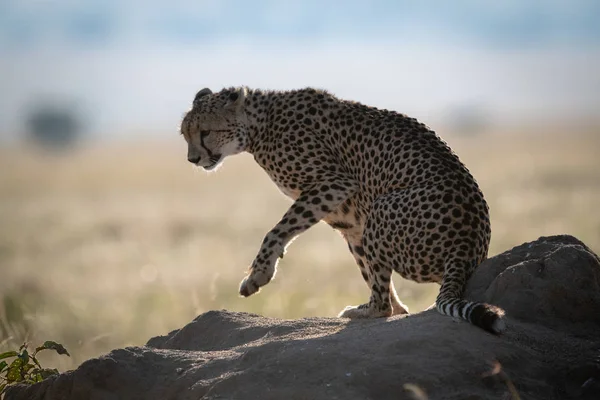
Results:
<point x="194" y="159"/>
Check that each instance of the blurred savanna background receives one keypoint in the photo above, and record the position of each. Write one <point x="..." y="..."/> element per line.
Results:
<point x="108" y="236"/>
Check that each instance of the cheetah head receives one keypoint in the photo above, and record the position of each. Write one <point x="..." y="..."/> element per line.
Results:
<point x="215" y="127"/>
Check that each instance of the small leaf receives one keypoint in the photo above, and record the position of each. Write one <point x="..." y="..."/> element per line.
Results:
<point x="8" y="354"/>
<point x="3" y="365"/>
<point x="17" y="362"/>
<point x="36" y="375"/>
<point x="2" y="387"/>
<point x="15" y="371"/>
<point x="59" y="348"/>
<point x="24" y="356"/>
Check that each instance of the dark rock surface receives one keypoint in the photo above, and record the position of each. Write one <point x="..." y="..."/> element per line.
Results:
<point x="550" y="290"/>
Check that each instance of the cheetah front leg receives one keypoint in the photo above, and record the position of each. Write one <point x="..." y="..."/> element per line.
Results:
<point x="312" y="205"/>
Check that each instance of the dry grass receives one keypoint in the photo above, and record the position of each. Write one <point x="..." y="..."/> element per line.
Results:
<point x="110" y="245"/>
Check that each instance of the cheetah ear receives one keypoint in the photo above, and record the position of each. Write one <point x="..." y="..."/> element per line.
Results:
<point x="202" y="93"/>
<point x="236" y="99"/>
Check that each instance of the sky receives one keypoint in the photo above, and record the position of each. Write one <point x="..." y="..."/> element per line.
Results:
<point x="132" y="67"/>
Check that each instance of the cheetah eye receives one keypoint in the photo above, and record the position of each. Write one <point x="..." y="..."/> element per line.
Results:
<point x="204" y="134"/>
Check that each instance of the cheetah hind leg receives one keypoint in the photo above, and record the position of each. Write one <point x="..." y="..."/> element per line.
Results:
<point x="383" y="298"/>
<point x="398" y="308"/>
<point x="364" y="310"/>
<point x="367" y="311"/>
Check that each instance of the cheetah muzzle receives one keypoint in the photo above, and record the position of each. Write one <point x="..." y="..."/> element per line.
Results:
<point x="400" y="197"/>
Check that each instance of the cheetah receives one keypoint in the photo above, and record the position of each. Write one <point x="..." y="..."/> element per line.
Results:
<point x="396" y="192"/>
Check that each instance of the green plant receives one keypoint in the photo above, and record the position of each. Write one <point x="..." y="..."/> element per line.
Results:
<point x="25" y="368"/>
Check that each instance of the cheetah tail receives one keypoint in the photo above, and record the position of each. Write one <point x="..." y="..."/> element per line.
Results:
<point x="483" y="315"/>
<point x="450" y="302"/>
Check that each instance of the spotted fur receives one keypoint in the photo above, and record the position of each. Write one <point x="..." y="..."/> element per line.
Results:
<point x="400" y="197"/>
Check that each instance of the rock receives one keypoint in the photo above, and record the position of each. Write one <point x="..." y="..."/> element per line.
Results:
<point x="550" y="290"/>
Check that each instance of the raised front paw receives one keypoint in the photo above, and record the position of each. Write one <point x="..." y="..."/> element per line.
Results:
<point x="248" y="287"/>
<point x="364" y="311"/>
<point x="260" y="274"/>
